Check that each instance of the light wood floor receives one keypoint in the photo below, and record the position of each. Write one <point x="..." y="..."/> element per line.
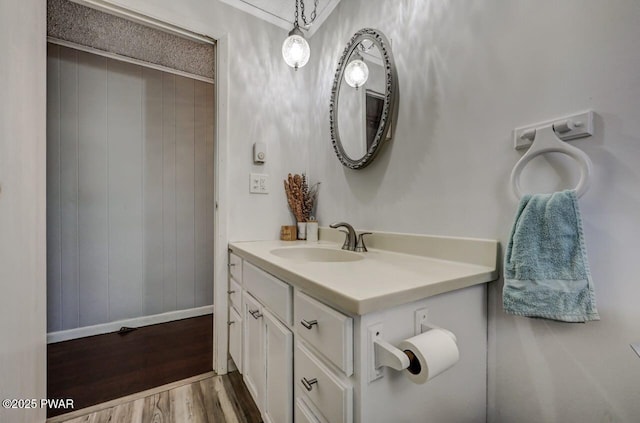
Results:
<point x="211" y="400"/>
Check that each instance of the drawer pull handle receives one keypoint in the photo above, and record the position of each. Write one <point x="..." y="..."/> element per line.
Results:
<point x="231" y="292"/>
<point x="309" y="324"/>
<point x="308" y="384"/>
<point x="255" y="313"/>
<point x="231" y="264"/>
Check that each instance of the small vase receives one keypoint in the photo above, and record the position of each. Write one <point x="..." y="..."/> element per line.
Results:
<point x="302" y="230"/>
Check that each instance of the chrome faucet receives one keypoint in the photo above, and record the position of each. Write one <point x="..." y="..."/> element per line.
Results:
<point x="350" y="239"/>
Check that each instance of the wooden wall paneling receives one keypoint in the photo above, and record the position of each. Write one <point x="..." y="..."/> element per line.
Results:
<point x="153" y="196"/>
<point x="210" y="187"/>
<point x="169" y="192"/>
<point x="185" y="192"/>
<point x="130" y="190"/>
<point x="203" y="254"/>
<point x="69" y="187"/>
<point x="54" y="280"/>
<point x="125" y="189"/>
<point x="93" y="220"/>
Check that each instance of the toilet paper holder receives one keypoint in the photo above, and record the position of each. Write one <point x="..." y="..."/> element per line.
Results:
<point x="386" y="355"/>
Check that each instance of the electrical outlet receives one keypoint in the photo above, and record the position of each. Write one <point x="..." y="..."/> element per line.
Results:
<point x="420" y="317"/>
<point x="258" y="183"/>
<point x="373" y="332"/>
<point x="636" y="348"/>
<point x="264" y="187"/>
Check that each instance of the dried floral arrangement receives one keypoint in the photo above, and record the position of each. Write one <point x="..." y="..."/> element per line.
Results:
<point x="300" y="196"/>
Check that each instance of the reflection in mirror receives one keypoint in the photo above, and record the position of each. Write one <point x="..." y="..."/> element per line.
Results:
<point x="363" y="99"/>
<point x="361" y="107"/>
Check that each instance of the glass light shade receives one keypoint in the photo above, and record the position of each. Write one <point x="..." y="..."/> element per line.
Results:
<point x="295" y="49"/>
<point x="356" y="73"/>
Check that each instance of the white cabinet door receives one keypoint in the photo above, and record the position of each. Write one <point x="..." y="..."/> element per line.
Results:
<point x="279" y="356"/>
<point x="235" y="338"/>
<point x="303" y="413"/>
<point x="253" y="348"/>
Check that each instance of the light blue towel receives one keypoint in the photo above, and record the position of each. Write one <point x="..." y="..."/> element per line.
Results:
<point x="546" y="272"/>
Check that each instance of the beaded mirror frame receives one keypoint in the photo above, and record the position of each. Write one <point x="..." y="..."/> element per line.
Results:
<point x="390" y="106"/>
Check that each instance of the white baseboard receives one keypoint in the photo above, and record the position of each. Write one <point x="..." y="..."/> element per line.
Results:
<point x="65" y="335"/>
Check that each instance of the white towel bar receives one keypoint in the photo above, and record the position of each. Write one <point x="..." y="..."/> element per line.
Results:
<point x="546" y="141"/>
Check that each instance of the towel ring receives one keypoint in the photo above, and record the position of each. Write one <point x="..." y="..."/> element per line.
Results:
<point x="546" y="141"/>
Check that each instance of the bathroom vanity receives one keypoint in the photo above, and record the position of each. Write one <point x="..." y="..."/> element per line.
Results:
<point x="303" y="318"/>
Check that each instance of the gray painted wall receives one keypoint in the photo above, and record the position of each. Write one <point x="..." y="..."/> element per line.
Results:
<point x="130" y="190"/>
<point x="22" y="207"/>
<point x="470" y="72"/>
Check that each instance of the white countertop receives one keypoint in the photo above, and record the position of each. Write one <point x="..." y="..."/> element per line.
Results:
<point x="384" y="278"/>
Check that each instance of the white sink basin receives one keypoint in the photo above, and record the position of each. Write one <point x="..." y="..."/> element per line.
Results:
<point x="315" y="254"/>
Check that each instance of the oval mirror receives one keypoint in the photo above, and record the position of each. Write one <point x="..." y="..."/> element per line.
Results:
<point x="363" y="99"/>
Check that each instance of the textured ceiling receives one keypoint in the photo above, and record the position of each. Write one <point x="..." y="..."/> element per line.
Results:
<point x="281" y="12"/>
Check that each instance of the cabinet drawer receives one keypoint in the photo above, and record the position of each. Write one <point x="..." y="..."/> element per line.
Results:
<point x="329" y="394"/>
<point x="235" y="294"/>
<point x="328" y="330"/>
<point x="270" y="291"/>
<point x="235" y="338"/>
<point x="235" y="267"/>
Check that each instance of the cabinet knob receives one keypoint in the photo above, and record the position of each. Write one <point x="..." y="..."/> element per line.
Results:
<point x="231" y="292"/>
<point x="255" y="313"/>
<point x="231" y="264"/>
<point x="231" y="322"/>
<point x="308" y="324"/>
<point x="308" y="384"/>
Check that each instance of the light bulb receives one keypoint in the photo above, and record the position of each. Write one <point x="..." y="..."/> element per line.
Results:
<point x="295" y="49"/>
<point x="356" y="73"/>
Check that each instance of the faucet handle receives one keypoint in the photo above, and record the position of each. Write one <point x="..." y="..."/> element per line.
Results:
<point x="360" y="247"/>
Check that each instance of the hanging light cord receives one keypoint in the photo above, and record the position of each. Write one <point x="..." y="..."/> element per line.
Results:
<point x="304" y="18"/>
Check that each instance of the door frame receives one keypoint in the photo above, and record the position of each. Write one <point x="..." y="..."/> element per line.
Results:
<point x="221" y="142"/>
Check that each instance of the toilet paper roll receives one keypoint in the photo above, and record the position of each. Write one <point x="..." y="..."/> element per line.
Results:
<point x="431" y="353"/>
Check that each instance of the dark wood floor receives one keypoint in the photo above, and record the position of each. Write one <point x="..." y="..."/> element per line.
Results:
<point x="100" y="368"/>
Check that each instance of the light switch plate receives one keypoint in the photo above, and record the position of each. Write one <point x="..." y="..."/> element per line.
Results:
<point x="636" y="348"/>
<point x="258" y="183"/>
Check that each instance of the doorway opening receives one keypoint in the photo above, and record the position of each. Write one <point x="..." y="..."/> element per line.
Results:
<point x="130" y="204"/>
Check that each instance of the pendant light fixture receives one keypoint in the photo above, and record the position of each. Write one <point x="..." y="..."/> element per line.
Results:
<point x="295" y="48"/>
<point x="356" y="72"/>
